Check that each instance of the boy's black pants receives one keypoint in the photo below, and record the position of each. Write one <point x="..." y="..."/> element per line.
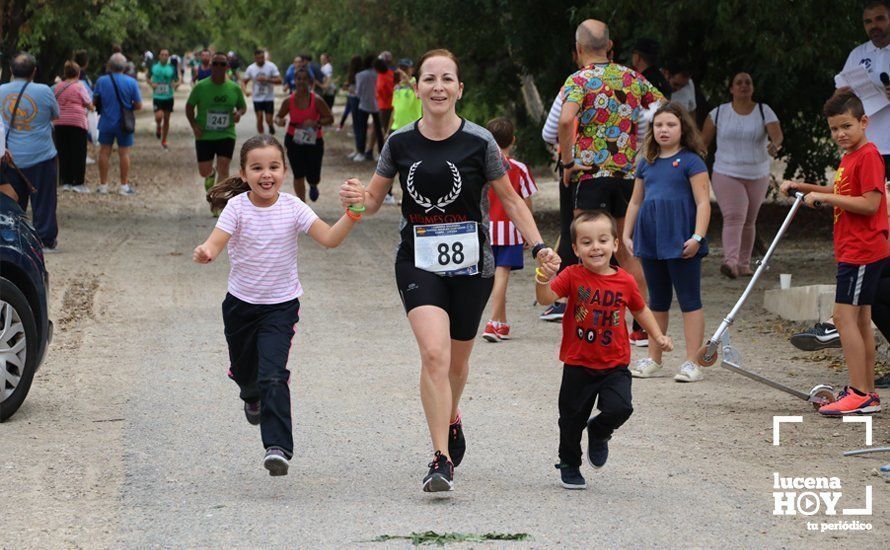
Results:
<point x="259" y="338"/>
<point x="580" y="388"/>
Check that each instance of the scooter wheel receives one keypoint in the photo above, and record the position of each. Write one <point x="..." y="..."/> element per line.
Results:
<point x="706" y="358"/>
<point x="822" y="395"/>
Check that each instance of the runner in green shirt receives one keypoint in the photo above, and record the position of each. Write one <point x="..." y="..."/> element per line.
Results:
<point x="163" y="80"/>
<point x="406" y="106"/>
<point x="220" y="105"/>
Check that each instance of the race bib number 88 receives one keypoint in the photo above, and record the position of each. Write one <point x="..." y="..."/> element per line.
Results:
<point x="447" y="248"/>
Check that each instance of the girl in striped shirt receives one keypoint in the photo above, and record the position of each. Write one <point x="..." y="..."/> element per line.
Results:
<point x="260" y="226"/>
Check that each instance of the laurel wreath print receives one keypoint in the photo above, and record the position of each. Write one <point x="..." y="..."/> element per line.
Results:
<point x="440" y="204"/>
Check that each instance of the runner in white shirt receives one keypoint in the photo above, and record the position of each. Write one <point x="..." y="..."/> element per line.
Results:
<point x="874" y="57"/>
<point x="265" y="76"/>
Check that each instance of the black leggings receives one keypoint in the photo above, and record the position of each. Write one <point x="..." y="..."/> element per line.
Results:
<point x="361" y="131"/>
<point x="71" y="143"/>
<point x="351" y="107"/>
<point x="880" y="310"/>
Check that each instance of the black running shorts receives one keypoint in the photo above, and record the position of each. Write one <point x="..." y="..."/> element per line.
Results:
<point x="463" y="298"/>
<point x="209" y="148"/>
<point x="607" y="194"/>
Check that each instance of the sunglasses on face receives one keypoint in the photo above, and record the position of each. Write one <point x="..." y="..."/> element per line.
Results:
<point x="220" y="64"/>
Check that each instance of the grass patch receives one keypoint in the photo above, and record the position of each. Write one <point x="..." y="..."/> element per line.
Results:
<point x="441" y="539"/>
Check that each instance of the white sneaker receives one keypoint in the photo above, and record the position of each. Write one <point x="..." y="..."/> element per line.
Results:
<point x="689" y="372"/>
<point x="126" y="190"/>
<point x="90" y="161"/>
<point x="102" y="190"/>
<point x="67" y="187"/>
<point x="358" y="157"/>
<point x="645" y="368"/>
<point x="389" y="199"/>
<point x="81" y="189"/>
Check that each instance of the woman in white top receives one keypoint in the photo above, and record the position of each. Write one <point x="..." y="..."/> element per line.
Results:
<point x="748" y="134"/>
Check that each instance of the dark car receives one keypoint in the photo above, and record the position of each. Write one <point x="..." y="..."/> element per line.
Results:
<point x="25" y="328"/>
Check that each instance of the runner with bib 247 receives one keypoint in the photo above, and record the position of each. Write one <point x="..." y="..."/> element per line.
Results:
<point x="444" y="264"/>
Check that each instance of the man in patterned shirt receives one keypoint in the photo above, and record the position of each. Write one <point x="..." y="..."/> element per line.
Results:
<point x="607" y="99"/>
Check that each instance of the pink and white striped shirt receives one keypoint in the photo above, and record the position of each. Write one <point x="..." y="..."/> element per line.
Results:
<point x="263" y="247"/>
<point x="501" y="229"/>
<point x="73" y="100"/>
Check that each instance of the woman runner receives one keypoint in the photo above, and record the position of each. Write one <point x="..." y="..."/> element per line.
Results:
<point x="444" y="264"/>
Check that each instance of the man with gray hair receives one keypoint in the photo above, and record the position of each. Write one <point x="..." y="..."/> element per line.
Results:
<point x="28" y="109"/>
<point x="114" y="95"/>
<point x="608" y="100"/>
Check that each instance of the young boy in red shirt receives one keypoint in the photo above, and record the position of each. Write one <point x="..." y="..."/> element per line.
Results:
<point x="506" y="241"/>
<point x="595" y="347"/>
<point x="860" y="246"/>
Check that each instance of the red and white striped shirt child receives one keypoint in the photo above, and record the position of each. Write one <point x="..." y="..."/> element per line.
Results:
<point x="501" y="229"/>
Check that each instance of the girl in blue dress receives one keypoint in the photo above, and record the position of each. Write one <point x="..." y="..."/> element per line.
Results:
<point x="666" y="223"/>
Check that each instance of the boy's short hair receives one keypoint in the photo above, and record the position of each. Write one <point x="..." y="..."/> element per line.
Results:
<point x="592" y="216"/>
<point x="502" y="130"/>
<point x="843" y="101"/>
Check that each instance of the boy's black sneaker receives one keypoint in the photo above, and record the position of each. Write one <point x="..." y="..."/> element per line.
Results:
<point x="457" y="445"/>
<point x="252" y="412"/>
<point x="571" y="476"/>
<point x="597" y="449"/>
<point x="441" y="476"/>
<point x="820" y="336"/>
<point x="276" y="461"/>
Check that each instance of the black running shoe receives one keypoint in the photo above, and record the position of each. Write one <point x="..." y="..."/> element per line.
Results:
<point x="441" y="476"/>
<point x="597" y="449"/>
<point x="276" y="461"/>
<point x="252" y="412"/>
<point x="571" y="476"/>
<point x="821" y="336"/>
<point x="271" y="130"/>
<point x="457" y="445"/>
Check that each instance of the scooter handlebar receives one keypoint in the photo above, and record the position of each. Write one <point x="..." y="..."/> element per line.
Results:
<point x="795" y="194"/>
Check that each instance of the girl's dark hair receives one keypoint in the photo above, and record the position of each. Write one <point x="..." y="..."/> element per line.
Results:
<point x="440" y="52"/>
<point x="380" y="66"/>
<point x="355" y="65"/>
<point x="222" y="192"/>
<point x="368" y="61"/>
<point x="690" y="138"/>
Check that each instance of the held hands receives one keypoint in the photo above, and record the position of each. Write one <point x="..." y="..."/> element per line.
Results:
<point x="548" y="261"/>
<point x="690" y="248"/>
<point x="352" y="192"/>
<point x="665" y="343"/>
<point x="203" y="254"/>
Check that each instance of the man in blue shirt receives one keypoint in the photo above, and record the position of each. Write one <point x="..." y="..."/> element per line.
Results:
<point x="110" y="100"/>
<point x="29" y="139"/>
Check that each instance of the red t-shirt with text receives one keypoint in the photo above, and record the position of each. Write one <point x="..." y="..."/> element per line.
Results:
<point x="860" y="239"/>
<point x="594" y="331"/>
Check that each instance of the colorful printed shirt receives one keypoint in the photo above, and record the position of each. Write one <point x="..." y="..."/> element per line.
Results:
<point x="594" y="330"/>
<point x="858" y="238"/>
<point x="501" y="228"/>
<point x="611" y="98"/>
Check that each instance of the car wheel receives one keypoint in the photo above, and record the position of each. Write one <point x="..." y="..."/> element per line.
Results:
<point x="18" y="348"/>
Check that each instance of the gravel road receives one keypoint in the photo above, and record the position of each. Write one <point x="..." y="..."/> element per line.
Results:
<point x="132" y="436"/>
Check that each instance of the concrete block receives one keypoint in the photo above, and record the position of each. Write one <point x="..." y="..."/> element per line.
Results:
<point x="801" y="303"/>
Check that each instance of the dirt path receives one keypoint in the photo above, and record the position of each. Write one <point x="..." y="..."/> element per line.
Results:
<point x="133" y="437"/>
